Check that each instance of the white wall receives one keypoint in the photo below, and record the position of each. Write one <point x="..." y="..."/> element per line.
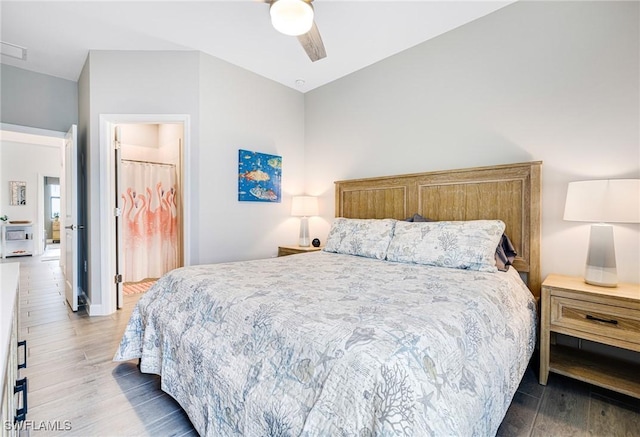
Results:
<point x="130" y="82"/>
<point x="170" y="142"/>
<point x="550" y="81"/>
<point x="151" y="142"/>
<point x="28" y="163"/>
<point x="139" y="135"/>
<point x="241" y="110"/>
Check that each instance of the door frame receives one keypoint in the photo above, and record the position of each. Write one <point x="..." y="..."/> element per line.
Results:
<point x="107" y="202"/>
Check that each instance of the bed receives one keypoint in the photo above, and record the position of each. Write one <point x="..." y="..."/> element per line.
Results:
<point x="354" y="340"/>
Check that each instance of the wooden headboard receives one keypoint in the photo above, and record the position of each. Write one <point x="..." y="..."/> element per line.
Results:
<point x="510" y="193"/>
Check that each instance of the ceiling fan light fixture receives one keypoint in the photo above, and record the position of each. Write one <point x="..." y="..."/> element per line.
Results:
<point x="291" y="17"/>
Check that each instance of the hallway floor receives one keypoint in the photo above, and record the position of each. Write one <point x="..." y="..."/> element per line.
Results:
<point x="75" y="385"/>
<point x="51" y="252"/>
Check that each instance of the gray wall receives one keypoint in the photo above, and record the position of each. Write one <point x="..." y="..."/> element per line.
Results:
<point x="550" y="81"/>
<point x="37" y="100"/>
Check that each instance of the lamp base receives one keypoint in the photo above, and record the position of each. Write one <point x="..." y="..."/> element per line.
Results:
<point x="600" y="277"/>
<point x="304" y="240"/>
<point x="601" y="259"/>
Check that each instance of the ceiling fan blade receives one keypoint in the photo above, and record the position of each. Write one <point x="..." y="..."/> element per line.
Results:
<point x="312" y="44"/>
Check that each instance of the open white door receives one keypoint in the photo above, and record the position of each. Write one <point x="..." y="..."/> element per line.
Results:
<point x="70" y="218"/>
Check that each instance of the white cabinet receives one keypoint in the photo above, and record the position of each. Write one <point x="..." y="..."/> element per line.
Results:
<point x="17" y="240"/>
<point x="12" y="352"/>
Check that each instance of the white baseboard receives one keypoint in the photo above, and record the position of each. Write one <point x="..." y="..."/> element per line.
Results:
<point x="96" y="310"/>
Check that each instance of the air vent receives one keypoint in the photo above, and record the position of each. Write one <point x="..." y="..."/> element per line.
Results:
<point x="13" y="51"/>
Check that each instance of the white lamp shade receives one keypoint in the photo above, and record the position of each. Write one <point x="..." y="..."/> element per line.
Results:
<point x="605" y="201"/>
<point x="304" y="206"/>
<point x="291" y="17"/>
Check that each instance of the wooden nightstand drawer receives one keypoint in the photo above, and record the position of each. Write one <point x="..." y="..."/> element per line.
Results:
<point x="293" y="250"/>
<point x="602" y="320"/>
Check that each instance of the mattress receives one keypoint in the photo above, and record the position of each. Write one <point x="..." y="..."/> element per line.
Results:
<point x="329" y="344"/>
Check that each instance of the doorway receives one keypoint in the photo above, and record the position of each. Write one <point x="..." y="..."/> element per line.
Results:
<point x="149" y="197"/>
<point x="146" y="208"/>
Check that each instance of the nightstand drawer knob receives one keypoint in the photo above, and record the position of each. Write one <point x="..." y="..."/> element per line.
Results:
<point x="598" y="319"/>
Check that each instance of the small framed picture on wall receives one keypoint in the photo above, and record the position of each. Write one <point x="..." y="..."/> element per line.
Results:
<point x="18" y="193"/>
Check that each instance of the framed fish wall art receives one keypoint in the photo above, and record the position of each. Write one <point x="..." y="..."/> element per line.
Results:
<point x="259" y="177"/>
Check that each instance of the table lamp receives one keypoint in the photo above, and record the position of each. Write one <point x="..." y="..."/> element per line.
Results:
<point x="304" y="207"/>
<point x="603" y="202"/>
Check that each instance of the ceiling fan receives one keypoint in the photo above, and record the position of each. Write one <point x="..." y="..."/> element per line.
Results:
<point x="295" y="18"/>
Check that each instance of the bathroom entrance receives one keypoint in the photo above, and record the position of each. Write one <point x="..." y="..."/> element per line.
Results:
<point x="148" y="196"/>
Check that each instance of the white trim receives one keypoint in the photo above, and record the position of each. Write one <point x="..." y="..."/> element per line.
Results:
<point x="107" y="304"/>
<point x="38" y="243"/>
<point x="95" y="310"/>
<point x="30" y="135"/>
<point x="31" y="130"/>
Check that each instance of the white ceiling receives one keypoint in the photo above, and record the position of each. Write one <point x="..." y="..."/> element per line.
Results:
<point x="58" y="35"/>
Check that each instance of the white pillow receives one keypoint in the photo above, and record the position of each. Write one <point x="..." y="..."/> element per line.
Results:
<point x="362" y="237"/>
<point x="467" y="245"/>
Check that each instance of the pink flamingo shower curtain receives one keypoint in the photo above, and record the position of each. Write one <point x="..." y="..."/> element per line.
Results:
<point x="150" y="220"/>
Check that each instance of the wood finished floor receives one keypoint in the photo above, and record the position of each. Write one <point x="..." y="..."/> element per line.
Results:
<point x="72" y="378"/>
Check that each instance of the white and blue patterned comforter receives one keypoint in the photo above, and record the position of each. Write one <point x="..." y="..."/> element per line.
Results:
<point x="326" y="344"/>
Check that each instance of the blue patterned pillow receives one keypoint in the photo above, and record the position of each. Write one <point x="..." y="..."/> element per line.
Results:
<point x="467" y="245"/>
<point x="362" y="237"/>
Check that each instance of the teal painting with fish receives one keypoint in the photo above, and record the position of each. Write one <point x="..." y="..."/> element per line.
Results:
<point x="259" y="177"/>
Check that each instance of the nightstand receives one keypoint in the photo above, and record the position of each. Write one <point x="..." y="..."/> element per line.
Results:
<point x="292" y="250"/>
<point x="55" y="231"/>
<point x="609" y="316"/>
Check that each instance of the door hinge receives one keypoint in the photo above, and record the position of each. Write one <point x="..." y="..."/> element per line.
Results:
<point x="116" y="145"/>
<point x="117" y="212"/>
<point x="117" y="279"/>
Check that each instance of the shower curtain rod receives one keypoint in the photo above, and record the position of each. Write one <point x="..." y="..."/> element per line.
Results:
<point x="148" y="162"/>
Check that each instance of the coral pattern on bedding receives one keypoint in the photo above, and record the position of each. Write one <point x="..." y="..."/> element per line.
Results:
<point x="325" y="344"/>
<point x="459" y="245"/>
<point x="361" y="237"/>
